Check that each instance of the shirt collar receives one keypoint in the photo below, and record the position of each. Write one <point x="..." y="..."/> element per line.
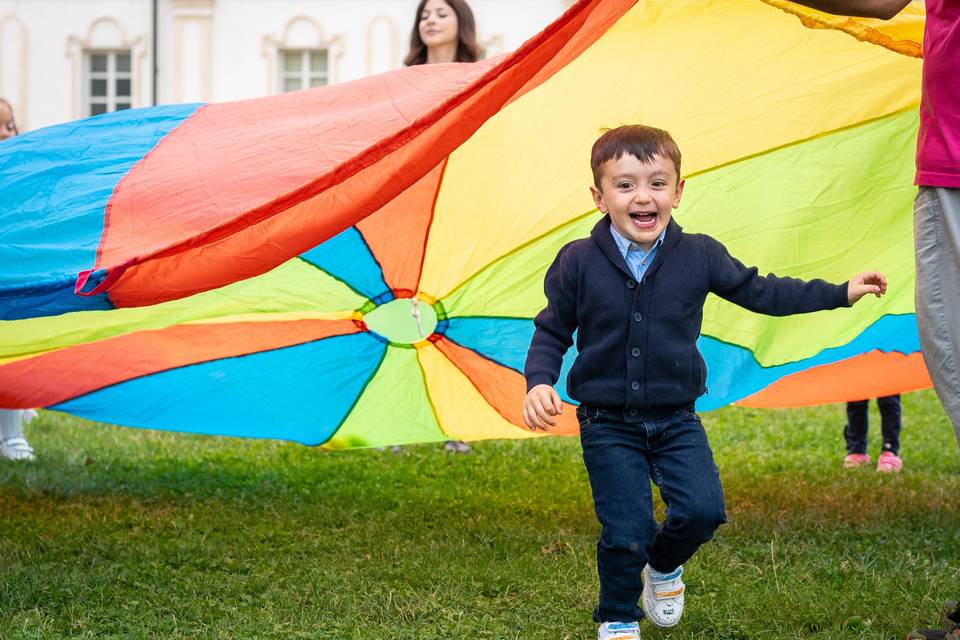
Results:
<point x="625" y="244"/>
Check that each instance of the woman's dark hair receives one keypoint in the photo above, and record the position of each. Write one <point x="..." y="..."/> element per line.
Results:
<point x="467" y="48"/>
<point x="12" y="121"/>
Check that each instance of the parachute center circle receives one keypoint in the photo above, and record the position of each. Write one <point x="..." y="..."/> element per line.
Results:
<point x="403" y="320"/>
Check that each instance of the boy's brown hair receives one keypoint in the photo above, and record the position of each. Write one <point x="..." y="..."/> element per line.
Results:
<point x="645" y="143"/>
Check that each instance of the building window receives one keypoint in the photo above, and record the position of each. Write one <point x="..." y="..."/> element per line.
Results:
<point x="109" y="82"/>
<point x="303" y="69"/>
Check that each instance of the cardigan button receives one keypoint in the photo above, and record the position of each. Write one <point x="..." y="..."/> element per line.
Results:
<point x="631" y="284"/>
<point x="637" y="317"/>
<point x="635" y="352"/>
<point x="634" y="385"/>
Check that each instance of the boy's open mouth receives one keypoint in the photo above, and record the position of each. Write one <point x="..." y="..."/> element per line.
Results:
<point x="643" y="220"/>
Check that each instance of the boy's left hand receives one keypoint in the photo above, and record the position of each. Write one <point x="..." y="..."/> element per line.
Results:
<point x="868" y="282"/>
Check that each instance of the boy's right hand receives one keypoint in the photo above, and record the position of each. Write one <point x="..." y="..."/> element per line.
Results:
<point x="541" y="403"/>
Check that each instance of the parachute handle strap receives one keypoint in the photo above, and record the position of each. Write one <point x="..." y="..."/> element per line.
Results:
<point x="112" y="276"/>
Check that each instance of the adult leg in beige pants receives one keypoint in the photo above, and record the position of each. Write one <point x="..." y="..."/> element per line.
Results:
<point x="936" y="224"/>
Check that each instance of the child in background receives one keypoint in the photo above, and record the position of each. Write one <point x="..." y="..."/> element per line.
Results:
<point x="855" y="434"/>
<point x="634" y="290"/>
<point x="8" y="126"/>
<point x="13" y="444"/>
<point x="936" y="209"/>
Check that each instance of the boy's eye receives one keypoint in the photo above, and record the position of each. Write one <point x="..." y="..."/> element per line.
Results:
<point x="624" y="185"/>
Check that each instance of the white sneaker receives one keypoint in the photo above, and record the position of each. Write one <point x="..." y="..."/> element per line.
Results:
<point x="663" y="596"/>
<point x="619" y="631"/>
<point x="16" y="449"/>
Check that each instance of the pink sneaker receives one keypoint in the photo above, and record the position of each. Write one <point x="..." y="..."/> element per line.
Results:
<point x="889" y="462"/>
<point x="855" y="460"/>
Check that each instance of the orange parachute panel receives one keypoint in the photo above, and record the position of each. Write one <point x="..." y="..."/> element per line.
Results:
<point x="503" y="388"/>
<point x="870" y="375"/>
<point x="59" y="375"/>
<point x="399" y="248"/>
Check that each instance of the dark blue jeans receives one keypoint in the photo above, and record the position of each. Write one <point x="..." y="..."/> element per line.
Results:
<point x="621" y="460"/>
<point x="855" y="432"/>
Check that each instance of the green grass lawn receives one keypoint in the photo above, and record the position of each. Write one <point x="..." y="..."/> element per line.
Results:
<point x="122" y="533"/>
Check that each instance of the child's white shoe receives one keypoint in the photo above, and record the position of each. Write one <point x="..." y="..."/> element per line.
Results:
<point x="663" y="596"/>
<point x="16" y="449"/>
<point x="619" y="631"/>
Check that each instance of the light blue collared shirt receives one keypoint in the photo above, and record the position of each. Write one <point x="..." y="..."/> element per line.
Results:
<point x="637" y="259"/>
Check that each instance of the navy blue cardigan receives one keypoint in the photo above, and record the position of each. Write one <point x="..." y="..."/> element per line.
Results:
<point x="637" y="341"/>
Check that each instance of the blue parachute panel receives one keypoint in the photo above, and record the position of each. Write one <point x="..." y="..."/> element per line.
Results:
<point x="505" y="341"/>
<point x="347" y="257"/>
<point x="732" y="371"/>
<point x="281" y="394"/>
<point x="52" y="210"/>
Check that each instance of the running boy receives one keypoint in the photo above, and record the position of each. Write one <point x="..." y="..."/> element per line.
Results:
<point x="635" y="291"/>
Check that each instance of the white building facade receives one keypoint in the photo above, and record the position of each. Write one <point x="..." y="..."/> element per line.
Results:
<point x="66" y="59"/>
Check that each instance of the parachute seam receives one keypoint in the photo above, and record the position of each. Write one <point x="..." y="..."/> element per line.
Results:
<point x="426" y="389"/>
<point x="373" y="256"/>
<point x="340" y="280"/>
<point x="794" y="143"/>
<point x="53" y="405"/>
<point x="356" y="400"/>
<point x="888" y="116"/>
<point x="108" y="207"/>
<point x="433" y="213"/>
<point x="517" y="249"/>
<point x="474" y="385"/>
<point x="484" y="356"/>
<point x="839" y="346"/>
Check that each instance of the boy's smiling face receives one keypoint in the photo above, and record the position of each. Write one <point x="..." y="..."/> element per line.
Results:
<point x="638" y="196"/>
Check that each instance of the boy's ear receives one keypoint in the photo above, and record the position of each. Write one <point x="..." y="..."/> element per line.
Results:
<point x="676" y="196"/>
<point x="598" y="199"/>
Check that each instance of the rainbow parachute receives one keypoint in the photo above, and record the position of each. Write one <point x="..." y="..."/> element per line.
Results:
<point x="360" y="264"/>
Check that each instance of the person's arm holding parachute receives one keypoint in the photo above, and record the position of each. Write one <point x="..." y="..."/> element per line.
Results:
<point x="883" y="9"/>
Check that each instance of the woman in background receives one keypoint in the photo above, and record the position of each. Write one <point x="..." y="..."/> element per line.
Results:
<point x="444" y="31"/>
